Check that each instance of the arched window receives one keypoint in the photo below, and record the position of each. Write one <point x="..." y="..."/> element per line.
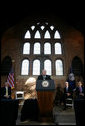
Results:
<point x="37" y="48"/>
<point x="36" y="67"/>
<point x="42" y="27"/>
<point x="6" y="65"/>
<point x="47" y="48"/>
<point x="26" y="48"/>
<point x="27" y="35"/>
<point x="51" y="27"/>
<point x="58" y="49"/>
<point x="77" y="66"/>
<point x="47" y="34"/>
<point x="25" y="67"/>
<point x="57" y="35"/>
<point x="37" y="34"/>
<point x="47" y="67"/>
<point x="43" y="41"/>
<point x="59" y="67"/>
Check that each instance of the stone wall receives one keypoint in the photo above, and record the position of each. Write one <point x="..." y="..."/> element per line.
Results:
<point x="11" y="45"/>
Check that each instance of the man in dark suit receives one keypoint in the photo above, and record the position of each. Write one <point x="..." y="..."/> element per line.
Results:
<point x="6" y="91"/>
<point x="79" y="91"/>
<point x="68" y="93"/>
<point x="43" y="76"/>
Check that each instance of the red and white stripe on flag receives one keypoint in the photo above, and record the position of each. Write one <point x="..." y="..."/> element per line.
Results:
<point x="10" y="78"/>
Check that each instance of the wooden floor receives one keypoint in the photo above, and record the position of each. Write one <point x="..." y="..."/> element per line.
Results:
<point x="60" y="117"/>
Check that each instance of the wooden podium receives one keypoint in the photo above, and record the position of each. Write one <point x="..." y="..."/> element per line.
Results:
<point x="45" y="94"/>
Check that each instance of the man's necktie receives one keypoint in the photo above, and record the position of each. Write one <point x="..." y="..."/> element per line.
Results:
<point x="44" y="77"/>
<point x="66" y="89"/>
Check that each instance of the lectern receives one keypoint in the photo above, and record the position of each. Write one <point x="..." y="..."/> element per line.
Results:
<point x="45" y="94"/>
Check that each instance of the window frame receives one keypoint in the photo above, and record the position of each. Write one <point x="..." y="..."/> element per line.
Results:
<point x="62" y="67"/>
<point x="42" y="40"/>
<point x="58" y="33"/>
<point x="28" y="67"/>
<point x="23" y="48"/>
<point x="44" y="48"/>
<point x="61" y="48"/>
<point x="46" y="30"/>
<point x="36" y="32"/>
<point x="50" y="62"/>
<point x="29" y="34"/>
<point x="33" y="48"/>
<point x="32" y="66"/>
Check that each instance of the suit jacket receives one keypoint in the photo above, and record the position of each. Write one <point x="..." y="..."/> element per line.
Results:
<point x="3" y="91"/>
<point x="41" y="77"/>
<point x="69" y="91"/>
<point x="78" y="91"/>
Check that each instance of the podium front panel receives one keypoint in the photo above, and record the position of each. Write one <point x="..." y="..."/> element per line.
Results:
<point x="45" y="85"/>
<point x="45" y="95"/>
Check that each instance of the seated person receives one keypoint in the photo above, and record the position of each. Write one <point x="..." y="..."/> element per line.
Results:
<point x="58" y="96"/>
<point x="43" y="76"/>
<point x="6" y="91"/>
<point x="67" y="93"/>
<point x="79" y="91"/>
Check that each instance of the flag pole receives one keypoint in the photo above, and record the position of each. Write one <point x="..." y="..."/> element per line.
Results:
<point x="13" y="65"/>
<point x="13" y="89"/>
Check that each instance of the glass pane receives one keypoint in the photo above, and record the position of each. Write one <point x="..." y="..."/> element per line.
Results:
<point x="32" y="27"/>
<point x="56" y="35"/>
<point x="26" y="48"/>
<point x="47" y="48"/>
<point x="25" y="67"/>
<point x="51" y="27"/>
<point x="58" y="48"/>
<point x="36" y="67"/>
<point x="47" y="34"/>
<point x="46" y="23"/>
<point x="47" y="66"/>
<point x="59" y="67"/>
<point x="42" y="27"/>
<point x="27" y="35"/>
<point x="37" y="34"/>
<point x="38" y="23"/>
<point x="37" y="48"/>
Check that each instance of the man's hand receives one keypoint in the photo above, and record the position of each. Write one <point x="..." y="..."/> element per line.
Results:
<point x="7" y="96"/>
<point x="82" y="94"/>
<point x="68" y="94"/>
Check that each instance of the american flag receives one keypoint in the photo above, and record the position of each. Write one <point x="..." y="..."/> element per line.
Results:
<point x="10" y="78"/>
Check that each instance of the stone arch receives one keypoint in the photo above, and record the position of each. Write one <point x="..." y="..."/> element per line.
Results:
<point x="6" y="65"/>
<point x="77" y="67"/>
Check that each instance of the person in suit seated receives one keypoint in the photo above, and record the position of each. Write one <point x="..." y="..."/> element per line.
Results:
<point x="68" y="93"/>
<point x="6" y="91"/>
<point x="43" y="76"/>
<point x="79" y="90"/>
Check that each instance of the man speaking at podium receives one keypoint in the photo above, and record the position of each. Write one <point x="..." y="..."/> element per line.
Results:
<point x="43" y="76"/>
<point x="45" y="88"/>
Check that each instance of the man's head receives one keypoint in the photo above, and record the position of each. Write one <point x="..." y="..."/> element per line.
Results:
<point x="66" y="84"/>
<point x="43" y="72"/>
<point x="6" y="84"/>
<point x="79" y="83"/>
